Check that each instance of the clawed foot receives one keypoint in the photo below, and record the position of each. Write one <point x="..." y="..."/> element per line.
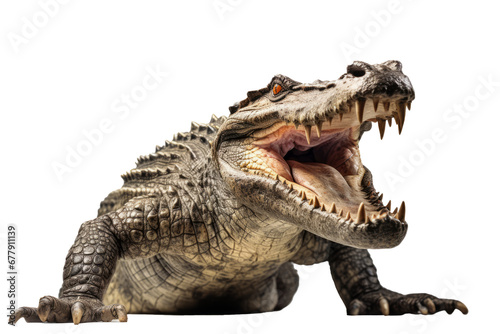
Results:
<point x="70" y="309"/>
<point x="388" y="302"/>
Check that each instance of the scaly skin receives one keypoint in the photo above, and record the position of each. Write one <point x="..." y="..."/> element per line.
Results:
<point x="212" y="221"/>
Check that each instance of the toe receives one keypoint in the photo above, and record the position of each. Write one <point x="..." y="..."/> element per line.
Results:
<point x="28" y="313"/>
<point x="115" y="311"/>
<point x="44" y="307"/>
<point x="52" y="309"/>
<point x="121" y="313"/>
<point x="450" y="305"/>
<point x="355" y="307"/>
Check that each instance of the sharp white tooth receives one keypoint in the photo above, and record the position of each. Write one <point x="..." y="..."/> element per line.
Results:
<point x="360" y="107"/>
<point x="333" y="209"/>
<point x="381" y="127"/>
<point x="401" y="108"/>
<point x="361" y="218"/>
<point x="316" y="202"/>
<point x="409" y="105"/>
<point x="396" y="118"/>
<point x="308" y="133"/>
<point x="398" y="122"/>
<point x="389" y="121"/>
<point x="375" y="104"/>
<point x="388" y="206"/>
<point x="402" y="211"/>
<point x="318" y="129"/>
<point x="387" y="106"/>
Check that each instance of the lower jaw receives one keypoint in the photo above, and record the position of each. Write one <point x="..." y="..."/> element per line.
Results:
<point x="382" y="231"/>
<point x="331" y="192"/>
<point x="286" y="201"/>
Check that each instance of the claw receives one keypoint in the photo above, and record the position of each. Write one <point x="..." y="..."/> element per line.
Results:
<point x="422" y="309"/>
<point x="384" y="306"/>
<point x="77" y="311"/>
<point x="122" y="313"/>
<point x="355" y="307"/>
<point x="461" y="306"/>
<point x="430" y="305"/>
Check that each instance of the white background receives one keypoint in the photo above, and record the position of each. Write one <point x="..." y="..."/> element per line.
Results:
<point x="69" y="74"/>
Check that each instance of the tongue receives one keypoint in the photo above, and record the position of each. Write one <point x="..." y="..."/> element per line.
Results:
<point x="327" y="183"/>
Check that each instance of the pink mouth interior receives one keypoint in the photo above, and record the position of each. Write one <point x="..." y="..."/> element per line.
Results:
<point x="329" y="166"/>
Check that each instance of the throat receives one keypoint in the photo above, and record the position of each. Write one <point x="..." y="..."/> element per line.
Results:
<point x="249" y="225"/>
<point x="235" y="223"/>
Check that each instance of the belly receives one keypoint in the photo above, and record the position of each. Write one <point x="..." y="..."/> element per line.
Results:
<point x="231" y="278"/>
<point x="173" y="285"/>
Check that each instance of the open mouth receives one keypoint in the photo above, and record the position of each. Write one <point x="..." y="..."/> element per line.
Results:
<point x="322" y="163"/>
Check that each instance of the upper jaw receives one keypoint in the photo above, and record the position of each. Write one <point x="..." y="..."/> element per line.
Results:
<point x="365" y="93"/>
<point x="346" y="114"/>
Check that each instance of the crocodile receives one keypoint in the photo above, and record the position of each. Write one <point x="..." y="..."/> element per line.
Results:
<point x="214" y="221"/>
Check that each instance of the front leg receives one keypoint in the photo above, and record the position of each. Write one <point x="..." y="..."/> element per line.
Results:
<point x="356" y="280"/>
<point x="139" y="229"/>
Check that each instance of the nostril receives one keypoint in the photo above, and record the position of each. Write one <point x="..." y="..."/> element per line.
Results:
<point x="356" y="71"/>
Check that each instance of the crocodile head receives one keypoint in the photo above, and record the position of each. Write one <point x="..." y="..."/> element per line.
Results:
<point x="290" y="151"/>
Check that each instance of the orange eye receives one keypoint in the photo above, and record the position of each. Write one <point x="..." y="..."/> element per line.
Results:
<point x="276" y="89"/>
